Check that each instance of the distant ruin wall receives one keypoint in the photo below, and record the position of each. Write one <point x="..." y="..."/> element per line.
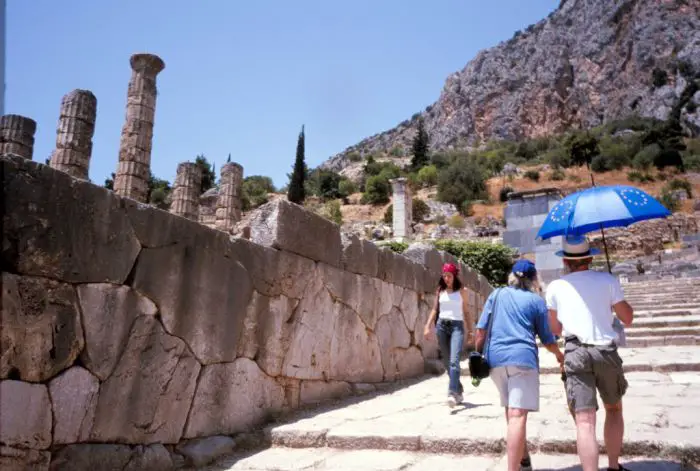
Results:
<point x="127" y="330"/>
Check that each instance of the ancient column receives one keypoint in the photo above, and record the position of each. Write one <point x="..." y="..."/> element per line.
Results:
<point x="228" y="202"/>
<point x="134" y="166"/>
<point x="185" y="197"/>
<point x="76" y="125"/>
<point x="403" y="208"/>
<point x="17" y="135"/>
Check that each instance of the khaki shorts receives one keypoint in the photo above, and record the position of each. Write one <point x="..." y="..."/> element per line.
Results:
<point x="590" y="368"/>
<point x="519" y="386"/>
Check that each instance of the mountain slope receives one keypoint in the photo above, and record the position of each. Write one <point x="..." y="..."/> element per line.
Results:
<point x="589" y="62"/>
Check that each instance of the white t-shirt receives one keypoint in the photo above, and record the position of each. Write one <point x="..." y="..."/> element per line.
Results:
<point x="451" y="306"/>
<point x="583" y="301"/>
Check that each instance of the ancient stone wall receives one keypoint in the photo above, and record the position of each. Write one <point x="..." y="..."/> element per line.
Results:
<point x="128" y="331"/>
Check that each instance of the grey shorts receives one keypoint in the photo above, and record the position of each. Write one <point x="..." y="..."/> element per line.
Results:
<point x="591" y="368"/>
<point x="519" y="386"/>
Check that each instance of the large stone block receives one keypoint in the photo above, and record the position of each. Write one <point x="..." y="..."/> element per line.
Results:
<point x="361" y="293"/>
<point x="202" y="451"/>
<point x="201" y="290"/>
<point x="151" y="387"/>
<point x="393" y="335"/>
<point x="232" y="398"/>
<point x="287" y="226"/>
<point x="41" y="330"/>
<point x="355" y="355"/>
<point x="360" y="256"/>
<point x="25" y="412"/>
<point x="109" y="312"/>
<point x="308" y="355"/>
<point x="274" y="272"/>
<point x="409" y="363"/>
<point x="399" y="270"/>
<point x="74" y="399"/>
<point x="62" y="228"/>
<point x="91" y="457"/>
<point x="18" y="459"/>
<point x="429" y="258"/>
<point x="267" y="331"/>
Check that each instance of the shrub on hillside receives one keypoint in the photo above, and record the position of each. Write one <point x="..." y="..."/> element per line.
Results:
<point x="394" y="246"/>
<point x="346" y="188"/>
<point x="494" y="261"/>
<point x="463" y="180"/>
<point x="557" y="175"/>
<point x="354" y="157"/>
<point x="669" y="200"/>
<point x="645" y="157"/>
<point x="428" y="176"/>
<point x="681" y="184"/>
<point x="533" y="175"/>
<point x="255" y="190"/>
<point x="637" y="176"/>
<point x="377" y="190"/>
<point x="456" y="221"/>
<point x="503" y="193"/>
<point x="331" y="211"/>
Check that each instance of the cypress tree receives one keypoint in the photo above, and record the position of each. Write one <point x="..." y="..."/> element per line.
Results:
<point x="296" y="193"/>
<point x="420" y="148"/>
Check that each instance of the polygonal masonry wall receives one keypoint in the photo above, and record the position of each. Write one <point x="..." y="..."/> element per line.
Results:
<point x="127" y="329"/>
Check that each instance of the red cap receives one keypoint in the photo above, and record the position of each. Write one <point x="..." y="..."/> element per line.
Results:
<point x="450" y="268"/>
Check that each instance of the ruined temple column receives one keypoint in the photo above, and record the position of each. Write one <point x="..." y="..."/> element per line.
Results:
<point x="403" y="208"/>
<point x="17" y="135"/>
<point x="134" y="166"/>
<point x="228" y="202"/>
<point x="76" y="125"/>
<point x="185" y="197"/>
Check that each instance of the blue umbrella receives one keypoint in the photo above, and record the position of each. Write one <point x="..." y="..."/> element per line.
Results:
<point x="600" y="207"/>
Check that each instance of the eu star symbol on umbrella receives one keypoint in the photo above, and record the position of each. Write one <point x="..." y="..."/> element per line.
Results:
<point x="600" y="207"/>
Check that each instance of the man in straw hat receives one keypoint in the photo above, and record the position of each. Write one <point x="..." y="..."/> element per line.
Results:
<point x="581" y="306"/>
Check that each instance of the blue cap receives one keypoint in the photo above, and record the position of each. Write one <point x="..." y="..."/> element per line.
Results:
<point x="524" y="267"/>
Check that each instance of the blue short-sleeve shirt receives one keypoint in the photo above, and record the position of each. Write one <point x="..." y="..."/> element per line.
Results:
<point x="519" y="316"/>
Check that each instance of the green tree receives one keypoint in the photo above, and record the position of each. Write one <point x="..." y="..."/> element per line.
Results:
<point x="582" y="148"/>
<point x="420" y="147"/>
<point x="428" y="176"/>
<point x="377" y="190"/>
<point x="255" y="191"/>
<point x="494" y="261"/>
<point x="296" y="193"/>
<point x="208" y="175"/>
<point x="109" y="182"/>
<point x="462" y="181"/>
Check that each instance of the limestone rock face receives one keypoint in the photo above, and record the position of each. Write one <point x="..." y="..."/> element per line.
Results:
<point x="63" y="228"/>
<point x="232" y="398"/>
<point x="152" y="387"/>
<point x="360" y="256"/>
<point x="287" y="226"/>
<point x="202" y="451"/>
<point x="588" y="62"/>
<point x="26" y="415"/>
<point x="393" y="335"/>
<point x="315" y="392"/>
<point x="19" y="459"/>
<point x="91" y="457"/>
<point x="109" y="312"/>
<point x="41" y="329"/>
<point x="74" y="400"/>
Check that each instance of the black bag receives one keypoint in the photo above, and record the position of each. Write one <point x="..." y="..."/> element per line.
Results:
<point x="478" y="363"/>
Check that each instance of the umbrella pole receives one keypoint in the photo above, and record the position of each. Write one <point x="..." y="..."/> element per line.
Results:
<point x="605" y="246"/>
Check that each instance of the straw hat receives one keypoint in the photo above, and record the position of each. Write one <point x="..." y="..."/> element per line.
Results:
<point x="576" y="247"/>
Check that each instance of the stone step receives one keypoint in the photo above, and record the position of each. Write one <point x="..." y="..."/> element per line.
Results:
<point x="670" y="321"/>
<point x="661" y="331"/>
<point x="330" y="459"/>
<point x="637" y="359"/>
<point x="673" y="340"/>
<point x="662" y="313"/>
<point x="666" y="419"/>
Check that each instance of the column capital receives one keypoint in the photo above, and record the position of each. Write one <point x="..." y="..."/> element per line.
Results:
<point x="147" y="63"/>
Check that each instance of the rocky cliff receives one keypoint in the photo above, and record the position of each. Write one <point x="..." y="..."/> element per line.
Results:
<point x="589" y="62"/>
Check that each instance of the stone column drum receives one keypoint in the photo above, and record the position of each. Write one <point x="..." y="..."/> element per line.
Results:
<point x="134" y="166"/>
<point x="185" y="197"/>
<point x="403" y="208"/>
<point x="228" y="202"/>
<point x="76" y="126"/>
<point x="17" y="135"/>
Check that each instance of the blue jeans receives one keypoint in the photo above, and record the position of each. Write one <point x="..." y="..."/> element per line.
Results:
<point x="450" y="336"/>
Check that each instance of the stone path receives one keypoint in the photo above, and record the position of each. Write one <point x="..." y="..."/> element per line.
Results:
<point x="411" y="427"/>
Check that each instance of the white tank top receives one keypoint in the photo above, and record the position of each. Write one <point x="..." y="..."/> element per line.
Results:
<point x="451" y="306"/>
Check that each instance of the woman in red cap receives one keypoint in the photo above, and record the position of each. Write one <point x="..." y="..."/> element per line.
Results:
<point x="450" y="310"/>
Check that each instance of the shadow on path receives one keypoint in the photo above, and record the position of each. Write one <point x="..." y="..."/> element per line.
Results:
<point x="642" y="465"/>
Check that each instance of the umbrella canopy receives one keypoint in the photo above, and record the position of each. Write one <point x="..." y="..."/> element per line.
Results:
<point x="600" y="207"/>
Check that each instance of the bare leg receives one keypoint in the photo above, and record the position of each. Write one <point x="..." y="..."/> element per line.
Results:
<point x="515" y="440"/>
<point x="526" y="453"/>
<point x="614" y="431"/>
<point x="586" y="442"/>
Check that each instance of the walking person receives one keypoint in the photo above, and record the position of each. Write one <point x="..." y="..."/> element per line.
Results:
<point x="581" y="306"/>
<point x="450" y="311"/>
<point x="516" y="314"/>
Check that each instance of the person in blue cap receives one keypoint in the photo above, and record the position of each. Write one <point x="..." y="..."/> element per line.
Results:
<point x="511" y="351"/>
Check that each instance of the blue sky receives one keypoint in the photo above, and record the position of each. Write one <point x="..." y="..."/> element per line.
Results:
<point x="242" y="77"/>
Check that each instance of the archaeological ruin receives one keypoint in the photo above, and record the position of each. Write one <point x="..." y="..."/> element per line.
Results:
<point x="128" y="331"/>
